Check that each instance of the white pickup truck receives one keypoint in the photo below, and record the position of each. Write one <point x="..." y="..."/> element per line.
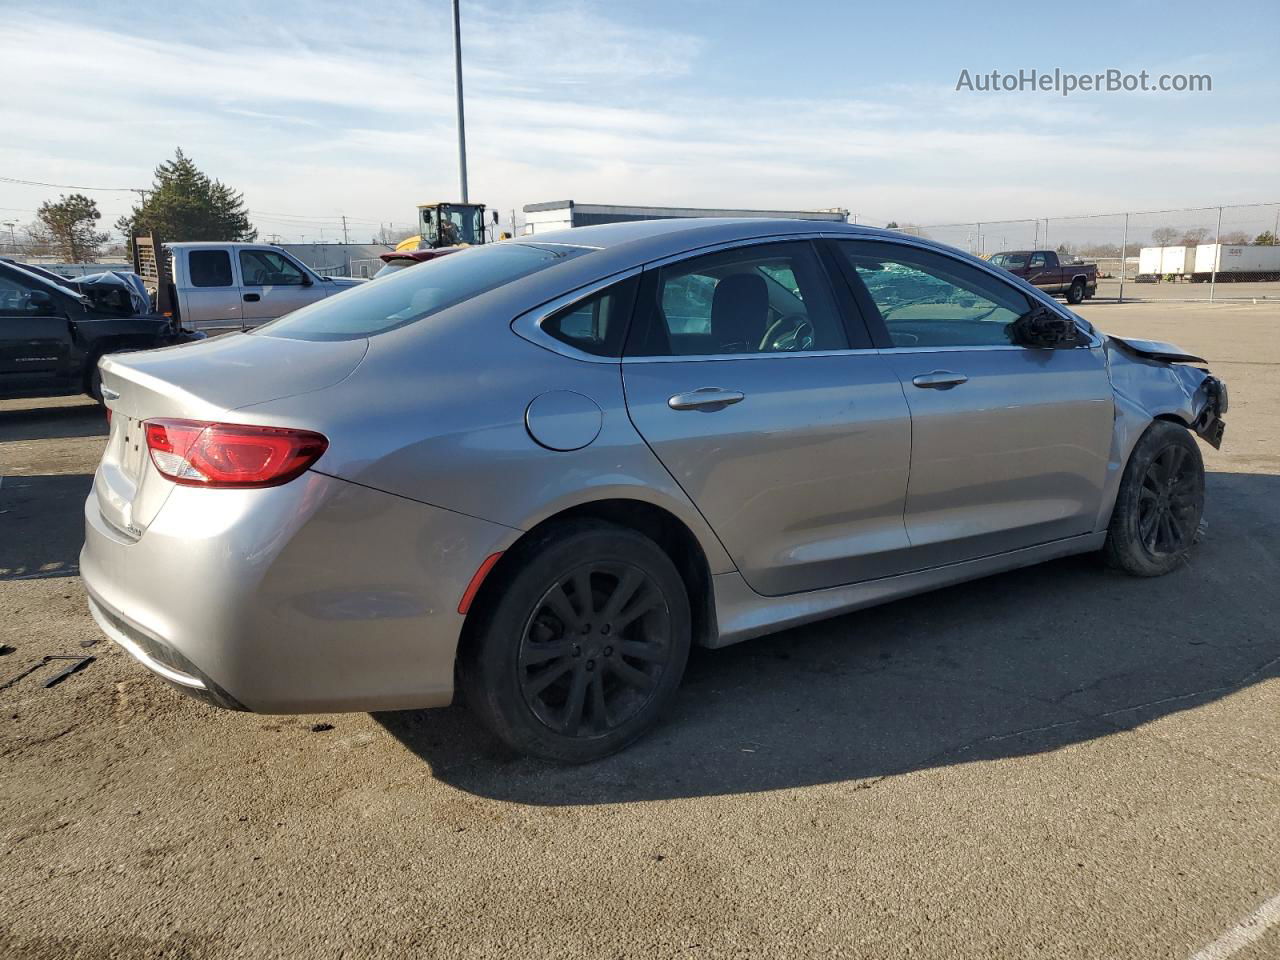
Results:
<point x="231" y="286"/>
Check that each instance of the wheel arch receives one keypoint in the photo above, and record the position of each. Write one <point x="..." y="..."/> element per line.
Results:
<point x="659" y="524"/>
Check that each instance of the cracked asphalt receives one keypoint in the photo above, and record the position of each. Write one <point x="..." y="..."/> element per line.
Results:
<point x="1059" y="762"/>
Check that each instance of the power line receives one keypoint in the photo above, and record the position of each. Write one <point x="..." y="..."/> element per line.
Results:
<point x="71" y="186"/>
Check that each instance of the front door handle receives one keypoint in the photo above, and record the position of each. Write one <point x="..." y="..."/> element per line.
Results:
<point x="705" y="398"/>
<point x="939" y="380"/>
<point x="252" y="297"/>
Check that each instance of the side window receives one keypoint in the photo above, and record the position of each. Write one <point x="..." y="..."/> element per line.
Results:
<point x="769" y="298"/>
<point x="13" y="297"/>
<point x="930" y="300"/>
<point x="266" y="268"/>
<point x="597" y="324"/>
<point x="209" y="268"/>
<point x="22" y="300"/>
<point x="1037" y="260"/>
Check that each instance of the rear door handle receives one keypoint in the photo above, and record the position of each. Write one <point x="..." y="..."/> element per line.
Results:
<point x="705" y="398"/>
<point x="252" y="298"/>
<point x="939" y="380"/>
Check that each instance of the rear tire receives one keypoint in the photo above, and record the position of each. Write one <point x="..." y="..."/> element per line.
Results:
<point x="1159" y="505"/>
<point x="1076" y="293"/>
<point x="583" y="646"/>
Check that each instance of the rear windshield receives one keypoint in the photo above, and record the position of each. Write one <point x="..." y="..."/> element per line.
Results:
<point x="410" y="295"/>
<point x="395" y="266"/>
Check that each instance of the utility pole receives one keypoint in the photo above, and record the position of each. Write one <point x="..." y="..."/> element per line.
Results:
<point x="344" y="229"/>
<point x="13" y="239"/>
<point x="1124" y="248"/>
<point x="1217" y="255"/>
<point x="457" y="69"/>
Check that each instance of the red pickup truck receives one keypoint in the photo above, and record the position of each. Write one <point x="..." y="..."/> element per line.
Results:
<point x="1078" y="281"/>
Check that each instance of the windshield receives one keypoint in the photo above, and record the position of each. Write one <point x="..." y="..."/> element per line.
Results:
<point x="410" y="295"/>
<point x="453" y="224"/>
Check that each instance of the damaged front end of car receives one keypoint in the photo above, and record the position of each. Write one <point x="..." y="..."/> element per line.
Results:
<point x="1161" y="381"/>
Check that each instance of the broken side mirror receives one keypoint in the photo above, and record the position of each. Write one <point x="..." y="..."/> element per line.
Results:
<point x="1041" y="327"/>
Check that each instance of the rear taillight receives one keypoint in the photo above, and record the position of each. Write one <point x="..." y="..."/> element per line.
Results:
<point x="202" y="454"/>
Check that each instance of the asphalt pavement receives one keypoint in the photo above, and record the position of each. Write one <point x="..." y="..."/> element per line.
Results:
<point x="1060" y="762"/>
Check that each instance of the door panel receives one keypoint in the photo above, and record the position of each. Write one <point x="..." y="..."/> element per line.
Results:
<point x="35" y="338"/>
<point x="273" y="285"/>
<point x="1014" y="456"/>
<point x="803" y="479"/>
<point x="211" y="297"/>
<point x="1010" y="444"/>
<point x="34" y="352"/>
<point x="738" y="374"/>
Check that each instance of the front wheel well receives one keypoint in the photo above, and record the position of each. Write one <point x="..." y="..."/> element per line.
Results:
<point x="658" y="524"/>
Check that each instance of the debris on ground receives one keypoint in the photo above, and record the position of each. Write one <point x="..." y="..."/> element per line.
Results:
<point x="321" y="727"/>
<point x="79" y="664"/>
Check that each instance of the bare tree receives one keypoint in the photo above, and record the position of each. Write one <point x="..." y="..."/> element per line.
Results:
<point x="71" y="222"/>
<point x="1194" y="236"/>
<point x="1164" y="236"/>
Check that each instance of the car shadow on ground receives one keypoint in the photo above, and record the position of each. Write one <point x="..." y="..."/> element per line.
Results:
<point x="54" y="422"/>
<point x="42" y="513"/>
<point x="1015" y="664"/>
<point x="42" y="519"/>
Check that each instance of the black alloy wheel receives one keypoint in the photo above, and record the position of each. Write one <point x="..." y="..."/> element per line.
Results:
<point x="593" y="651"/>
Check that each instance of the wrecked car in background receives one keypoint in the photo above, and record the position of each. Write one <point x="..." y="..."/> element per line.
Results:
<point x="546" y="467"/>
<point x="52" y="333"/>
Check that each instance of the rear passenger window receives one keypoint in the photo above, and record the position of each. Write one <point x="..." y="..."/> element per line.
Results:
<point x="766" y="298"/>
<point x="209" y="268"/>
<point x="596" y="325"/>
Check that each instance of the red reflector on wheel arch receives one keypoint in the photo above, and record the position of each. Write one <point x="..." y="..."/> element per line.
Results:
<point x="474" y="586"/>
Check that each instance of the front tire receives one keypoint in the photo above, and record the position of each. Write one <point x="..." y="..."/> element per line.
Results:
<point x="1159" y="505"/>
<point x="583" y="646"/>
<point x="93" y="385"/>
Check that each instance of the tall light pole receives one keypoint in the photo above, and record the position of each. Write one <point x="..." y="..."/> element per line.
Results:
<point x="457" y="69"/>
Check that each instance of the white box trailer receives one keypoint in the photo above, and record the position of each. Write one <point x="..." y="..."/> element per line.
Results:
<point x="1157" y="262"/>
<point x="562" y="214"/>
<point x="1235" y="262"/>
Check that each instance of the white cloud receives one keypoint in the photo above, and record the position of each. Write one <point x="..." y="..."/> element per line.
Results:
<point x="313" y="114"/>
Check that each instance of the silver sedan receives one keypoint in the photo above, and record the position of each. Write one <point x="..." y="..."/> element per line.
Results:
<point x="542" y="469"/>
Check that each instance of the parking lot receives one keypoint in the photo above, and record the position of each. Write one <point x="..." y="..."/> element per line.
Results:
<point x="1057" y="762"/>
<point x="1248" y="291"/>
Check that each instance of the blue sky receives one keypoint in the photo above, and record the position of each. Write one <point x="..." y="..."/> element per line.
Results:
<point x="322" y="108"/>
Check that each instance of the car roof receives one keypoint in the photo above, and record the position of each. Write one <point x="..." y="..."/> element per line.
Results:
<point x="682" y="229"/>
<point x="621" y="245"/>
<point x="27" y="275"/>
<point x="206" y="244"/>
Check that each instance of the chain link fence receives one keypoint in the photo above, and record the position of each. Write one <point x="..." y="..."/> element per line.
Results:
<point x="1191" y="253"/>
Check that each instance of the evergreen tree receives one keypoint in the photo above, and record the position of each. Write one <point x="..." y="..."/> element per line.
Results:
<point x="185" y="204"/>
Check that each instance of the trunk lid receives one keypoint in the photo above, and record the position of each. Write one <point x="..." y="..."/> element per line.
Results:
<point x="206" y="380"/>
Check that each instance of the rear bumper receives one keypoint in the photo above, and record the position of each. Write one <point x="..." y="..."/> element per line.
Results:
<point x="316" y="596"/>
